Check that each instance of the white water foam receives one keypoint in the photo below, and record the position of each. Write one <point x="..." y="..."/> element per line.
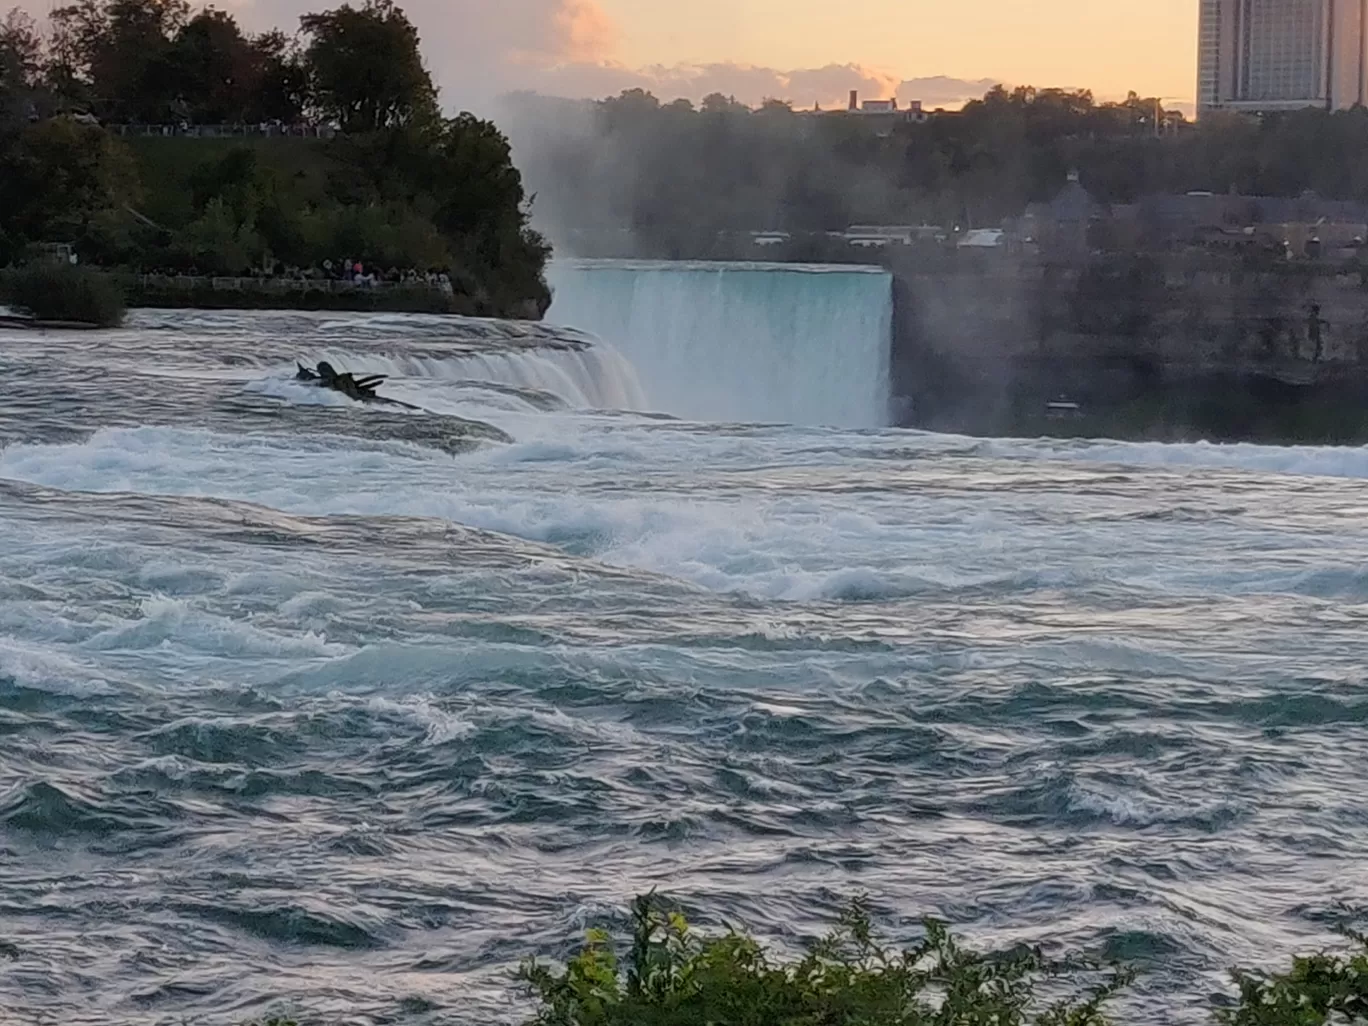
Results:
<point x="783" y="548"/>
<point x="590" y="377"/>
<point x="1298" y="460"/>
<point x="784" y="343"/>
<point x="724" y="531"/>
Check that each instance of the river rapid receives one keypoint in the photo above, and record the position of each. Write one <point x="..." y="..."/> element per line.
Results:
<point x="336" y="710"/>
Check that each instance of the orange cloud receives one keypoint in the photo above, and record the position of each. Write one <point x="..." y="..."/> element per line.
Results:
<point x="585" y="31"/>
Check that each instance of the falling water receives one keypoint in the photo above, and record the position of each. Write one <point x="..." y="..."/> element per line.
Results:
<point x="790" y="343"/>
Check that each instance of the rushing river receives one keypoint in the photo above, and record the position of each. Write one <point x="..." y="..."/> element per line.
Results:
<point x="307" y="706"/>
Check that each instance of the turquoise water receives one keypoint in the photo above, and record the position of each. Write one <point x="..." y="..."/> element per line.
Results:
<point x="319" y="708"/>
<point x="742" y="342"/>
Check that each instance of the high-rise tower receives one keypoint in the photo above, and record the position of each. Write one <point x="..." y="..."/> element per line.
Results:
<point x="1266" y="55"/>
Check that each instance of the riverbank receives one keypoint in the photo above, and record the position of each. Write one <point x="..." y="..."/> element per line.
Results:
<point x="185" y="292"/>
<point x="205" y="293"/>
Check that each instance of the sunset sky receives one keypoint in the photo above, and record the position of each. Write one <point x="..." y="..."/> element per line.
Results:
<point x="806" y="51"/>
<point x="1110" y="47"/>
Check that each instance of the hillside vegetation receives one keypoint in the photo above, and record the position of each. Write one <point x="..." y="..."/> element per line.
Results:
<point x="350" y="160"/>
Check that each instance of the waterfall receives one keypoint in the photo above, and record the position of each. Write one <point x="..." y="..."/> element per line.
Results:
<point x="789" y="343"/>
<point x="592" y="377"/>
<point x="576" y="368"/>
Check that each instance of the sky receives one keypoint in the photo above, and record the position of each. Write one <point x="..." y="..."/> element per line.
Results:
<point x="1106" y="46"/>
<point x="807" y="51"/>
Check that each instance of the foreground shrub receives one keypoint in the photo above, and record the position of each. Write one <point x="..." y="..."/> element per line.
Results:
<point x="57" y="292"/>
<point x="674" y="977"/>
<point x="671" y="976"/>
<point x="1319" y="989"/>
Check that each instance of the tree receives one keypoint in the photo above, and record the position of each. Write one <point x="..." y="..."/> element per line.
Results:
<point x="366" y="70"/>
<point x="115" y="56"/>
<point x="481" y="209"/>
<point x="58" y="180"/>
<point x="716" y="103"/>
<point x="74" y="30"/>
<point x="778" y="107"/>
<point x="150" y="61"/>
<point x="21" y="51"/>
<point x="217" y="242"/>
<point x="283" y="85"/>
<point x="217" y="71"/>
<point x="132" y="67"/>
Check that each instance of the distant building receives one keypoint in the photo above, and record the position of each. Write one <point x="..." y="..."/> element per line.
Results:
<point x="1074" y="224"/>
<point x="892" y="234"/>
<point x="1175" y="216"/>
<point x="1072" y="205"/>
<point x="1305" y="225"/>
<point x="860" y="241"/>
<point x="885" y="233"/>
<point x="886" y="109"/>
<point x="1270" y="55"/>
<point x="1062" y="226"/>
<point x="55" y="253"/>
<point x="982" y="238"/>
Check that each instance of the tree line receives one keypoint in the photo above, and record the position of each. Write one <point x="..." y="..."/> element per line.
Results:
<point x="674" y="176"/>
<point x="159" y="62"/>
<point x="401" y="186"/>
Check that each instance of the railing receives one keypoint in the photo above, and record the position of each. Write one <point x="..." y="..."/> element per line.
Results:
<point x="243" y="131"/>
<point x="188" y="283"/>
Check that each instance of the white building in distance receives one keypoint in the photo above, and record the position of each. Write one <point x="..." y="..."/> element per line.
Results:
<point x="1271" y="55"/>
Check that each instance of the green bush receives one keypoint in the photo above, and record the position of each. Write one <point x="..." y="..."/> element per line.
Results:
<point x="58" y="292"/>
<point x="1319" y="989"/>
<point x="674" y="977"/>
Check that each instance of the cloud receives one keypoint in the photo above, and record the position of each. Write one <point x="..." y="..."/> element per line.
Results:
<point x="748" y="83"/>
<point x="828" y="86"/>
<point x="585" y="31"/>
<point x="942" y="91"/>
<point x="480" y="49"/>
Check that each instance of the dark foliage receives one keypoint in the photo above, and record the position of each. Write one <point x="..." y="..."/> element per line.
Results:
<point x="399" y="188"/>
<point x="53" y="292"/>
<point x="366" y="72"/>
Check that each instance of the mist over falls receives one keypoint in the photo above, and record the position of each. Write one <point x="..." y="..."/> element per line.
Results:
<point x="740" y="342"/>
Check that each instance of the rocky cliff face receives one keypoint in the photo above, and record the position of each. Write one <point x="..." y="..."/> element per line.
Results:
<point x="981" y="346"/>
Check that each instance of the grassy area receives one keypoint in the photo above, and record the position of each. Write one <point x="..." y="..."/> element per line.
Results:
<point x="667" y="974"/>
